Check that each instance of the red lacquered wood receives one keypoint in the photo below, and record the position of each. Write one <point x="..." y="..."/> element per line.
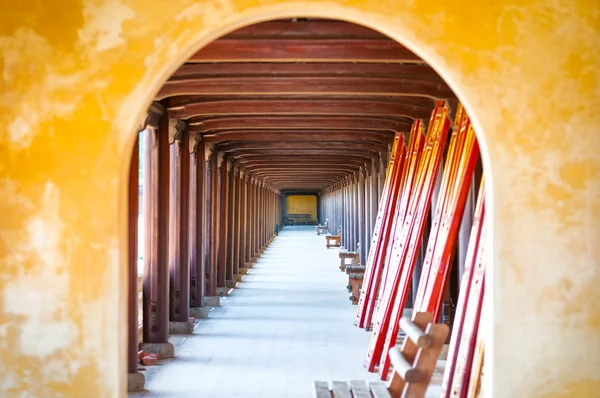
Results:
<point x="465" y="288"/>
<point x="380" y="232"/>
<point x="429" y="164"/>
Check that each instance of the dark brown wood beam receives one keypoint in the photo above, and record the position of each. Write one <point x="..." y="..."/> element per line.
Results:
<point x="348" y="85"/>
<point x="315" y="106"/>
<point x="305" y="49"/>
<point x="297" y="69"/>
<point x="294" y="135"/>
<point x="328" y="122"/>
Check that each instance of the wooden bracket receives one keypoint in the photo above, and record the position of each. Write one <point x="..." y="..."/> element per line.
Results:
<point x="208" y="150"/>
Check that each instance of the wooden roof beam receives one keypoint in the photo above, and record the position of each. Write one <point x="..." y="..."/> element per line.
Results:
<point x="332" y="122"/>
<point x="313" y="106"/>
<point x="288" y="85"/>
<point x="305" y="49"/>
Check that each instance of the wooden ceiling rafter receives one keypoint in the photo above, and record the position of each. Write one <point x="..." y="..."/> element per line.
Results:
<point x="303" y="104"/>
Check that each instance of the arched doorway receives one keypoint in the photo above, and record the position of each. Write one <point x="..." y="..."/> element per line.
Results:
<point x="76" y="98"/>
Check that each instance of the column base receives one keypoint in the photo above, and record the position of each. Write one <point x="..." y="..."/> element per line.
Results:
<point x="212" y="300"/>
<point x="254" y="259"/>
<point x="238" y="277"/>
<point x="164" y="350"/>
<point x="181" y="327"/>
<point x="223" y="291"/>
<point x="247" y="265"/>
<point x="135" y="382"/>
<point x="199" y="312"/>
<point x="231" y="284"/>
<point x="243" y="271"/>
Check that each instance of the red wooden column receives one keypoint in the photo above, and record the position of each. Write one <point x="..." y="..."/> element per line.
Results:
<point x="243" y="218"/>
<point x="135" y="380"/>
<point x="196" y="227"/>
<point x="374" y="198"/>
<point x="156" y="205"/>
<point x="216" y="224"/>
<point x="179" y="270"/>
<point x="237" y="229"/>
<point x="249" y="204"/>
<point x="231" y="230"/>
<point x="222" y="221"/>
<point x="362" y="225"/>
<point x="354" y="215"/>
<point x="347" y="208"/>
<point x="256" y="219"/>
<point x="256" y="232"/>
<point x="207" y="209"/>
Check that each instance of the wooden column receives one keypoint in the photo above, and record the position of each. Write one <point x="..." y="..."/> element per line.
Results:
<point x="231" y="228"/>
<point x="256" y="233"/>
<point x="207" y="206"/>
<point x="196" y="221"/>
<point x="249" y="203"/>
<point x="156" y="205"/>
<point x="238" y="218"/>
<point x="362" y="225"/>
<point x="215" y="225"/>
<point x="179" y="272"/>
<point x="223" y="222"/>
<point x="132" y="260"/>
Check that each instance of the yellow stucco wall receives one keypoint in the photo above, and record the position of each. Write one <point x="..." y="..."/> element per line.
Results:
<point x="301" y="204"/>
<point x="76" y="75"/>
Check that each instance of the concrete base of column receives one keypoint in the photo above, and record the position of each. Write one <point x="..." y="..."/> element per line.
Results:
<point x="223" y="291"/>
<point x="238" y="277"/>
<point x="212" y="300"/>
<point x="181" y="327"/>
<point x="243" y="271"/>
<point x="164" y="350"/>
<point x="135" y="382"/>
<point x="248" y="265"/>
<point x="254" y="259"/>
<point x="199" y="312"/>
<point x="231" y="284"/>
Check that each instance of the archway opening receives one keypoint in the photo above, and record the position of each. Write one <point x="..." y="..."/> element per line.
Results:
<point x="310" y="107"/>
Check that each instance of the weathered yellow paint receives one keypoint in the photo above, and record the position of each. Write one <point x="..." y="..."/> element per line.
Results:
<point x="301" y="204"/>
<point x="76" y="76"/>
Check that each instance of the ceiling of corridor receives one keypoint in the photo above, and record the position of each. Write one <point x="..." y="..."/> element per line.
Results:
<point x="303" y="103"/>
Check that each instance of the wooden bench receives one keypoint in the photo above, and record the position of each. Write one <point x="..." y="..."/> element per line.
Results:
<point x="293" y="219"/>
<point x="354" y="389"/>
<point x="336" y="239"/>
<point x="413" y="364"/>
<point x="346" y="254"/>
<point x="321" y="229"/>
<point x="356" y="274"/>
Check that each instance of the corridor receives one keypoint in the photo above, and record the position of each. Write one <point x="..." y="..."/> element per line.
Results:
<point x="288" y="323"/>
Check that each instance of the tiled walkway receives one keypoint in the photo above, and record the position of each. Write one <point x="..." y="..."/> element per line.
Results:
<point x="287" y="324"/>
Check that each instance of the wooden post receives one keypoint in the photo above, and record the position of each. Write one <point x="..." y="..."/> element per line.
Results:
<point x="216" y="226"/>
<point x="230" y="234"/>
<point x="132" y="260"/>
<point x="177" y="233"/>
<point x="210" y="285"/>
<point x="238" y="218"/>
<point x="362" y="227"/>
<point x="195" y="221"/>
<point x="156" y="205"/>
<point x="222" y="211"/>
<point x="249" y="200"/>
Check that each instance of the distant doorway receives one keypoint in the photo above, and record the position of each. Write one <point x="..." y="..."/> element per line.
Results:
<point x="301" y="210"/>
